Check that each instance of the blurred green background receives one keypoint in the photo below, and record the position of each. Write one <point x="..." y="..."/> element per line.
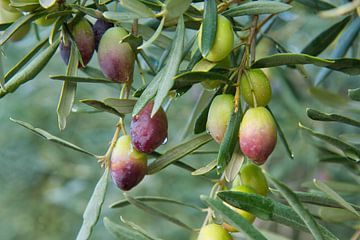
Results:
<point x="45" y="187"/>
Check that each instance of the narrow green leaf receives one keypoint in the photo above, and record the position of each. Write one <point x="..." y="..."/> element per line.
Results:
<point x="317" y="5"/>
<point x="178" y="152"/>
<point x="123" y="232"/>
<point x="25" y="60"/>
<point x="156" y="212"/>
<point x="99" y="105"/>
<point x="336" y="215"/>
<point x="148" y="93"/>
<point x="316" y="198"/>
<point x="125" y="202"/>
<point x="149" y="42"/>
<point x="236" y="161"/>
<point x="138" y="7"/>
<point x="31" y="70"/>
<point x="189" y="78"/>
<point x="282" y="136"/>
<point x="334" y="195"/>
<point x="68" y="90"/>
<point x="55" y="29"/>
<point x="137" y="228"/>
<point x="264" y="207"/>
<point x="51" y="137"/>
<point x="93" y="72"/>
<point x="172" y="66"/>
<point x="294" y="202"/>
<point x="76" y="79"/>
<point x="354" y="94"/>
<point x="325" y="38"/>
<point x="174" y="9"/>
<point x="26" y="19"/>
<point x="93" y="208"/>
<point x="255" y="8"/>
<point x="233" y="218"/>
<point x="121" y="105"/>
<point x="348" y="149"/>
<point x="88" y="11"/>
<point x="343" y="44"/>
<point x="320" y="116"/>
<point x="133" y="41"/>
<point x="205" y="169"/>
<point x="353" y="138"/>
<point x="208" y="30"/>
<point x="229" y="142"/>
<point x="347" y="65"/>
<point x="120" y="16"/>
<point x="341" y="187"/>
<point x="329" y="98"/>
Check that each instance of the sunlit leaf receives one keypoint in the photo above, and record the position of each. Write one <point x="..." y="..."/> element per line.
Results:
<point x="236" y="161"/>
<point x="93" y="208"/>
<point x="171" y="67"/>
<point x="99" y="105"/>
<point x="51" y="137"/>
<point x="120" y="16"/>
<point x="157" y="33"/>
<point x="178" y="152"/>
<point x="77" y="79"/>
<point x="137" y="7"/>
<point x="205" y="169"/>
<point x="47" y="3"/>
<point x="174" y="9"/>
<point x="258" y="7"/>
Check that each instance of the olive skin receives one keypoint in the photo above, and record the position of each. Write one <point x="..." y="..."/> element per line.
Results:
<point x="255" y="84"/>
<point x="128" y="166"/>
<point x="213" y="232"/>
<point x="116" y="59"/>
<point x="251" y="175"/>
<point x="219" y="115"/>
<point x="223" y="42"/>
<point x="84" y="39"/>
<point x="148" y="132"/>
<point x="257" y="134"/>
<point x="99" y="28"/>
<point x="250" y="218"/>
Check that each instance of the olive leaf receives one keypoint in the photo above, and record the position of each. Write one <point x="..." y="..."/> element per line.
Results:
<point x="123" y="232"/>
<point x="93" y="208"/>
<point x="354" y="94"/>
<point x="320" y="116"/>
<point x="256" y="8"/>
<point x="208" y="30"/>
<point x="317" y="5"/>
<point x="76" y="79"/>
<point x="31" y="70"/>
<point x="138" y="7"/>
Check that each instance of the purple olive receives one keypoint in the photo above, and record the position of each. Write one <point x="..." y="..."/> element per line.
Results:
<point x="149" y="133"/>
<point x="128" y="166"/>
<point x="99" y="29"/>
<point x="116" y="59"/>
<point x="85" y="41"/>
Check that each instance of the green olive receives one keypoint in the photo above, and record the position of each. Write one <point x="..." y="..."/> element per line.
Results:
<point x="223" y="42"/>
<point x="255" y="86"/>
<point x="252" y="176"/>
<point x="213" y="232"/>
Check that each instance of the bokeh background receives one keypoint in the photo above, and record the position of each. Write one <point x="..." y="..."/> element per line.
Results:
<point x="44" y="187"/>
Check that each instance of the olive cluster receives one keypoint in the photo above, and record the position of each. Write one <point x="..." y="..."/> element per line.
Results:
<point x="257" y="131"/>
<point x="116" y="59"/>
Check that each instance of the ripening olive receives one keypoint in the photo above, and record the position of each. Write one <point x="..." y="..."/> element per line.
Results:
<point x="255" y="84"/>
<point x="213" y="232"/>
<point x="251" y="175"/>
<point x="116" y="59"/>
<point x="223" y="42"/>
<point x="128" y="166"/>
<point x="148" y="132"/>
<point x="257" y="134"/>
<point x="219" y="116"/>
<point x="84" y="39"/>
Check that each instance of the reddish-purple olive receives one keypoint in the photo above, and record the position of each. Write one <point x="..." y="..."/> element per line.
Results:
<point x="116" y="58"/>
<point x="84" y="38"/>
<point x="257" y="134"/>
<point x="99" y="29"/>
<point x="148" y="132"/>
<point x="128" y="166"/>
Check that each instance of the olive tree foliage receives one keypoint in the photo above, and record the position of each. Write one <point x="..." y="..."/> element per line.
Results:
<point x="164" y="38"/>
